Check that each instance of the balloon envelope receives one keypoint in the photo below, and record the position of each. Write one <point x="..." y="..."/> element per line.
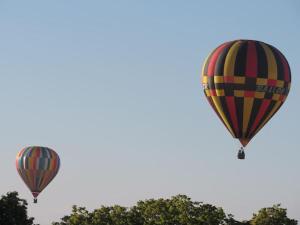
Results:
<point x="246" y="82"/>
<point x="37" y="166"/>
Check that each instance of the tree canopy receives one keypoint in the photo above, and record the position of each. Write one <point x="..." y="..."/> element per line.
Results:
<point x="13" y="210"/>
<point x="178" y="210"/>
<point x="272" y="215"/>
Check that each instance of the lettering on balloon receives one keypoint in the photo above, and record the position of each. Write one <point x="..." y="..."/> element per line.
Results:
<point x="271" y="89"/>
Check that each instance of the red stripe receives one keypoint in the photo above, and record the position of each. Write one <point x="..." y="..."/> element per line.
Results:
<point x="282" y="98"/>
<point x="232" y="111"/>
<point x="272" y="82"/>
<point x="53" y="163"/>
<point x="21" y="152"/>
<point x="249" y="94"/>
<point x="228" y="79"/>
<point x="213" y="92"/>
<point x="262" y="110"/>
<point x="251" y="66"/>
<point x="35" y="154"/>
<point x="213" y="59"/>
<point x="38" y="152"/>
<point x="35" y="194"/>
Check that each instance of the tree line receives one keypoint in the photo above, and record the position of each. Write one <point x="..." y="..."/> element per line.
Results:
<point x="177" y="210"/>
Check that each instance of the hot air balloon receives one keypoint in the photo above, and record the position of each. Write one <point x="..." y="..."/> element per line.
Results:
<point x="246" y="82"/>
<point x="37" y="166"/>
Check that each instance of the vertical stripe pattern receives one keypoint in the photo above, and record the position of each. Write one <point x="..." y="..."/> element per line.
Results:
<point x="246" y="82"/>
<point x="37" y="166"/>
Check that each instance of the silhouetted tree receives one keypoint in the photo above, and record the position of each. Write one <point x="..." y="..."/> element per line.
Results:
<point x="13" y="210"/>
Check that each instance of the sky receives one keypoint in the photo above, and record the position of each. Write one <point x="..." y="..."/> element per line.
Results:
<point x="114" y="87"/>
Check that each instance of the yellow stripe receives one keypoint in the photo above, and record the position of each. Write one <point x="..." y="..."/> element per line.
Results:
<point x="272" y="65"/>
<point x="203" y="67"/>
<point x="220" y="92"/>
<point x="276" y="106"/>
<point x="230" y="59"/>
<point x="260" y="95"/>
<point x="239" y="80"/>
<point x="30" y="180"/>
<point x="238" y="93"/>
<point x="276" y="97"/>
<point x="30" y="163"/>
<point x="218" y="106"/>
<point x="205" y="61"/>
<point x="261" y="81"/>
<point x="207" y="92"/>
<point x="218" y="79"/>
<point x="248" y="103"/>
<point x="43" y="184"/>
<point x="280" y="83"/>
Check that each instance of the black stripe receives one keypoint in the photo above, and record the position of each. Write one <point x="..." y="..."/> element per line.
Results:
<point x="241" y="59"/>
<point x="239" y="105"/>
<point x="262" y="64"/>
<point x="26" y="163"/>
<point x="219" y="66"/>
<point x="250" y="84"/>
<point x="280" y="68"/>
<point x="288" y="66"/>
<point x="253" y="114"/>
<point x="230" y="87"/>
<point x="269" y="109"/>
<point x="268" y="95"/>
<point x="226" y="112"/>
<point x="211" y="83"/>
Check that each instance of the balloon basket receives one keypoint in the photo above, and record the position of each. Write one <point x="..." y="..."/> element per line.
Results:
<point x="241" y="153"/>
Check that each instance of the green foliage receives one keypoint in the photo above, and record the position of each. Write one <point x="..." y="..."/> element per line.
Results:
<point x="13" y="210"/>
<point x="79" y="216"/>
<point x="178" y="210"/>
<point x="231" y="221"/>
<point x="272" y="215"/>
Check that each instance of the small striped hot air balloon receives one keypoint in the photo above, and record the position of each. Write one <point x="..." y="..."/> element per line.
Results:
<point x="37" y="166"/>
<point x="246" y="82"/>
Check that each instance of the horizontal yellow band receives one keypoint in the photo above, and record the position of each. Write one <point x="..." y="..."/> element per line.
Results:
<point x="242" y="80"/>
<point x="238" y="93"/>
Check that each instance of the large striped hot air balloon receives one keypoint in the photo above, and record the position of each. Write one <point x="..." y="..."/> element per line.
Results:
<point x="37" y="166"/>
<point x="246" y="82"/>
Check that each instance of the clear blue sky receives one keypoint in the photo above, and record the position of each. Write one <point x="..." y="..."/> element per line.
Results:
<point x="114" y="87"/>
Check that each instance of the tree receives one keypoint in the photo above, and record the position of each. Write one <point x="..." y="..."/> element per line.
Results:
<point x="115" y="215"/>
<point x="231" y="221"/>
<point x="79" y="216"/>
<point x="179" y="210"/>
<point x="272" y="215"/>
<point x="13" y="210"/>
